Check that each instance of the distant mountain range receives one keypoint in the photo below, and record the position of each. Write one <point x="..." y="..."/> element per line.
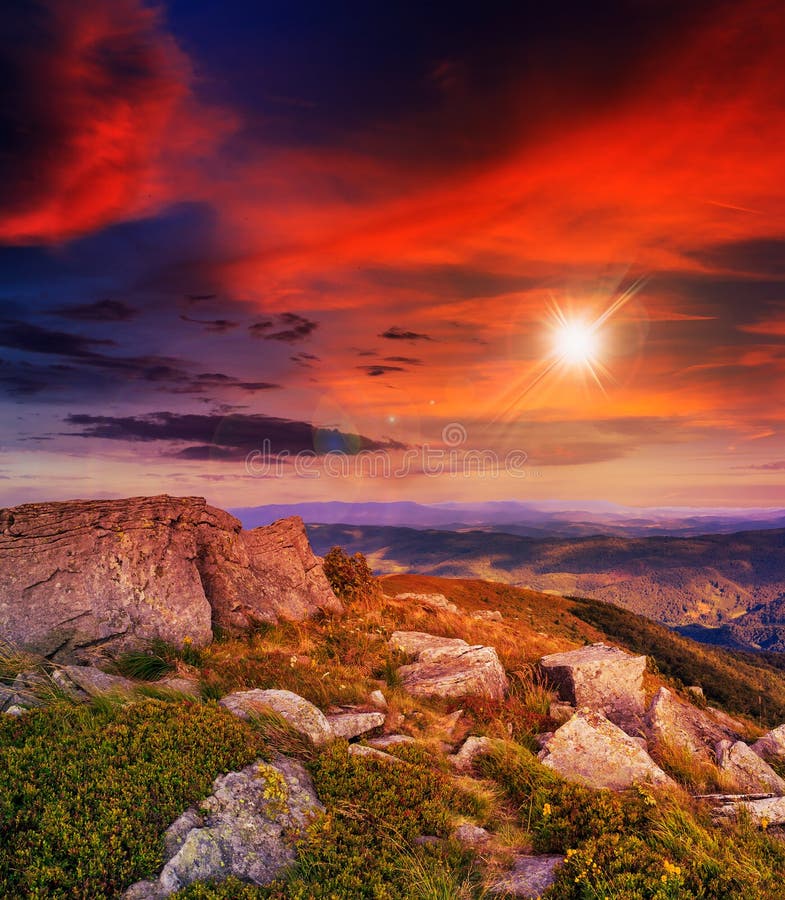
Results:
<point x="716" y="575"/>
<point x="726" y="589"/>
<point x="531" y="519"/>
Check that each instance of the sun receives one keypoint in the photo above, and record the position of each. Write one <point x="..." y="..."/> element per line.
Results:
<point x="576" y="343"/>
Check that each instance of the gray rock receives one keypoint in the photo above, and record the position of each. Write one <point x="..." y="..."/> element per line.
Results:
<point x="378" y="699"/>
<point x="748" y="772"/>
<point x="352" y="724"/>
<point x="245" y="829"/>
<point x="672" y="723"/>
<point x="600" y="678"/>
<point x="772" y="745"/>
<point x="489" y="615"/>
<point x="463" y="760"/>
<point x="305" y="718"/>
<point x="14" y="710"/>
<point x="83" y="577"/>
<point x="430" y="601"/>
<point x="591" y="750"/>
<point x="390" y="740"/>
<point x="768" y="809"/>
<point x="7" y="697"/>
<point x="449" y="667"/>
<point x="83" y="682"/>
<point x="472" y="836"/>
<point x="30" y="689"/>
<point x="372" y="753"/>
<point x="529" y="877"/>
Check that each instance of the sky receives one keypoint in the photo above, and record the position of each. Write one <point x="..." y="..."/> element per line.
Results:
<point x="267" y="252"/>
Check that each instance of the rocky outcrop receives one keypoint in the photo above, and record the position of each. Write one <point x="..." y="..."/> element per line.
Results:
<point x="246" y="829"/>
<point x="301" y="715"/>
<point x="746" y="770"/>
<point x="673" y="724"/>
<point x="83" y="577"/>
<point x="591" y="750"/>
<point x="772" y="745"/>
<point x="449" y="667"/>
<point x="600" y="678"/>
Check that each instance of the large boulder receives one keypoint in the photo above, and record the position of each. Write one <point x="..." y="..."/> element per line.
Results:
<point x="449" y="667"/>
<point x="746" y="770"/>
<point x="246" y="829"/>
<point x="673" y="724"/>
<point x="601" y="678"/>
<point x="83" y="577"/>
<point x="300" y="714"/>
<point x="591" y="750"/>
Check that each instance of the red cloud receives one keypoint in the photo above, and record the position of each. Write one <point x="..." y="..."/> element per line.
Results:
<point x="99" y="106"/>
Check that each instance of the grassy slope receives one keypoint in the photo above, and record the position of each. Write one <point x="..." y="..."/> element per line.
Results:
<point x="743" y="684"/>
<point x="364" y="848"/>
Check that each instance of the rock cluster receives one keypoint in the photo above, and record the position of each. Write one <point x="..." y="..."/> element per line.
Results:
<point x="81" y="577"/>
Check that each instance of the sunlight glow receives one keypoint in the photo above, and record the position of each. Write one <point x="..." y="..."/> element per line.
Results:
<point x="576" y="343"/>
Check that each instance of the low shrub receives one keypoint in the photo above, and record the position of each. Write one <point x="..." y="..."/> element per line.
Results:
<point x="350" y="576"/>
<point x="87" y="792"/>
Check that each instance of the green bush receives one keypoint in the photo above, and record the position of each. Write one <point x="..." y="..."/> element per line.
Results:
<point x="558" y="814"/>
<point x="350" y="576"/>
<point x="87" y="792"/>
<point x="362" y="848"/>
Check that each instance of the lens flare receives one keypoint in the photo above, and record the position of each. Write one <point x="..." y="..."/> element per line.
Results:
<point x="576" y="345"/>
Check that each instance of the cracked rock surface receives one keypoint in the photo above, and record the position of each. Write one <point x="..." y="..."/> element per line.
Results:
<point x="83" y="577"/>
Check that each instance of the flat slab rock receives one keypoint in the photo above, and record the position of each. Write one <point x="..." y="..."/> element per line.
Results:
<point x="746" y="770"/>
<point x="601" y="678"/>
<point x="353" y="724"/>
<point x="247" y="829"/>
<point x="449" y="667"/>
<point x="589" y="749"/>
<point x="82" y="682"/>
<point x="768" y="809"/>
<point x="529" y="877"/>
<point x="305" y="718"/>
<point x="85" y="576"/>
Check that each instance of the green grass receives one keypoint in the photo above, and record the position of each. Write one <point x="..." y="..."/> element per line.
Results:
<point x="87" y="791"/>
